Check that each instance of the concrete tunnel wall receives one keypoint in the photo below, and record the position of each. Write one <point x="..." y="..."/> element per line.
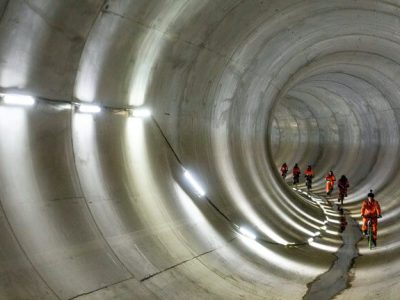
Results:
<point x="96" y="207"/>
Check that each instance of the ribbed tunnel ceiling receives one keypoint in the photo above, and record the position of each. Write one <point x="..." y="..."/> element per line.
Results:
<point x="97" y="206"/>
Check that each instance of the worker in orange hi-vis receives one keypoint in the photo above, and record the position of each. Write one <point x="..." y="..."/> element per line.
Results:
<point x="330" y="181"/>
<point x="296" y="174"/>
<point x="309" y="171"/>
<point x="309" y="174"/>
<point x="284" y="170"/>
<point x="371" y="210"/>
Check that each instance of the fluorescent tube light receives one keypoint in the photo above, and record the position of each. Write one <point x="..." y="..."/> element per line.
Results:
<point x="89" y="108"/>
<point x="140" y="112"/>
<point x="15" y="99"/>
<point x="194" y="184"/>
<point x="247" y="233"/>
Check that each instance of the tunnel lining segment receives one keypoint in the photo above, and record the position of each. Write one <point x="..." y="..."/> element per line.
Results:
<point x="26" y="254"/>
<point x="93" y="219"/>
<point x="185" y="261"/>
<point x="211" y="203"/>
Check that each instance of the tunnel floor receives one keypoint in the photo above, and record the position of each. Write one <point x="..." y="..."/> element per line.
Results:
<point x="337" y="278"/>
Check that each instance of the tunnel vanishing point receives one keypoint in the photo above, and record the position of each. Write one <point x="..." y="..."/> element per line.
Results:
<point x="188" y="203"/>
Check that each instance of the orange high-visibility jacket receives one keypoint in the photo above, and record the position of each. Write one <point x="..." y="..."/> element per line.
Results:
<point x="309" y="173"/>
<point x="296" y="171"/>
<point x="370" y="208"/>
<point x="330" y="178"/>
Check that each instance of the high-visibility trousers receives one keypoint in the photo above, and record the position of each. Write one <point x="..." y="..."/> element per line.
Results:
<point x="329" y="186"/>
<point x="374" y="223"/>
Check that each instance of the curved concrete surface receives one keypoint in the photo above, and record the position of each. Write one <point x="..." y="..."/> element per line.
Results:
<point x="97" y="206"/>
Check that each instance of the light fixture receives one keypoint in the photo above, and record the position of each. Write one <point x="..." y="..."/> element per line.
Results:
<point x="200" y="191"/>
<point x="89" y="108"/>
<point x="247" y="233"/>
<point x="140" y="112"/>
<point x="317" y="233"/>
<point x="310" y="240"/>
<point x="15" y="99"/>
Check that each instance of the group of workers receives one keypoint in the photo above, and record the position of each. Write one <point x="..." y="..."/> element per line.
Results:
<point x="370" y="210"/>
<point x="330" y="179"/>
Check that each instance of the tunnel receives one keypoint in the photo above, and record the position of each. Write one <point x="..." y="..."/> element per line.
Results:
<point x="188" y="202"/>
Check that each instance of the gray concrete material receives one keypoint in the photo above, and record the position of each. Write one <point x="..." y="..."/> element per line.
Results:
<point x="241" y="280"/>
<point x="94" y="205"/>
<point x="123" y="290"/>
<point x="390" y="122"/>
<point x="49" y="217"/>
<point x="105" y="49"/>
<point x="331" y="283"/>
<point x="139" y="228"/>
<point x="20" y="279"/>
<point x="3" y="7"/>
<point x="303" y="125"/>
<point x="45" y="59"/>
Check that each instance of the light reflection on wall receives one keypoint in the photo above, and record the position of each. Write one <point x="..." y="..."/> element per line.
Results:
<point x="323" y="247"/>
<point x="16" y="56"/>
<point x="143" y="181"/>
<point x="273" y="257"/>
<point x="195" y="214"/>
<point x="152" y="46"/>
<point x="16" y="160"/>
<point x="138" y="161"/>
<point x="278" y="211"/>
<point x="141" y="73"/>
<point x="94" y="56"/>
<point x="224" y="165"/>
<point x="20" y="194"/>
<point x="85" y="145"/>
<point x="86" y="81"/>
<point x="300" y="211"/>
